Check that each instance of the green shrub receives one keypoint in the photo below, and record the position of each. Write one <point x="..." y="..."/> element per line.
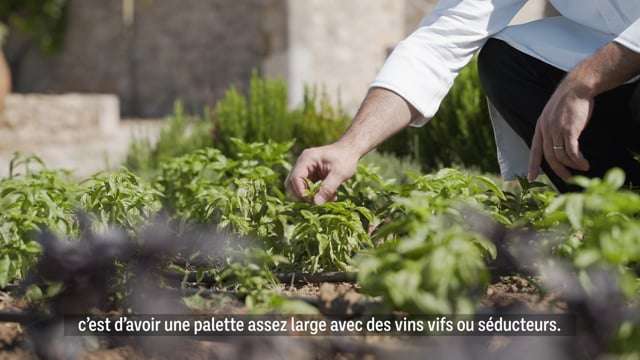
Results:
<point x="197" y="185"/>
<point x="44" y="20"/>
<point x="119" y="199"/>
<point x="181" y="135"/>
<point x="244" y="194"/>
<point x="600" y="227"/>
<point x="460" y="134"/>
<point x="430" y="262"/>
<point x="390" y="166"/>
<point x="439" y="268"/>
<point x="317" y="122"/>
<point x="263" y="115"/>
<point x="260" y="116"/>
<point x="34" y="198"/>
<point x="31" y="200"/>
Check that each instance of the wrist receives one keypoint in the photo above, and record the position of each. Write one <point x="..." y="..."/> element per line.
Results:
<point x="581" y="85"/>
<point x="352" y="146"/>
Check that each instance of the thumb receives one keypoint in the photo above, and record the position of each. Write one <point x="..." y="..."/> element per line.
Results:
<point x="328" y="189"/>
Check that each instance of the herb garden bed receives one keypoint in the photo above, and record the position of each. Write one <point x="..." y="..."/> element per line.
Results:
<point x="215" y="233"/>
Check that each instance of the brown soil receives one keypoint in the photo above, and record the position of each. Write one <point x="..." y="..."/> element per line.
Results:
<point x="340" y="298"/>
<point x="12" y="337"/>
<point x="519" y="292"/>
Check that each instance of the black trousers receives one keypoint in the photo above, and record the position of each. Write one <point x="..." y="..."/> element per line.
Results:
<point x="519" y="87"/>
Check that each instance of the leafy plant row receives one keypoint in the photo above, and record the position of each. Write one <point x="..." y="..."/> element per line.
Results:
<point x="33" y="197"/>
<point x="409" y="241"/>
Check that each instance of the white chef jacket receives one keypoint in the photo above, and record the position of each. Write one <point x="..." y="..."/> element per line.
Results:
<point x="422" y="67"/>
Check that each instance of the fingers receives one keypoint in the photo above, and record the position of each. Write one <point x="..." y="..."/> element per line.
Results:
<point x="572" y="149"/>
<point x="295" y="182"/>
<point x="296" y="185"/>
<point x="552" y="160"/>
<point x="319" y="164"/>
<point x="535" y="157"/>
<point x="558" y="146"/>
<point x="328" y="189"/>
<point x="542" y="148"/>
<point x="567" y="151"/>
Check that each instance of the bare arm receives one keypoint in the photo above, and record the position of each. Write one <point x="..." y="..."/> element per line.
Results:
<point x="566" y="114"/>
<point x="382" y="114"/>
<point x="422" y="68"/>
<point x="610" y="67"/>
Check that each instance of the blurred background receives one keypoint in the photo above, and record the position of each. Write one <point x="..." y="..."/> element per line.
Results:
<point x="90" y="84"/>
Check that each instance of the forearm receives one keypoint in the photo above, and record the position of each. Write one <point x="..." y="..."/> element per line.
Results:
<point x="610" y="67"/>
<point x="382" y="114"/>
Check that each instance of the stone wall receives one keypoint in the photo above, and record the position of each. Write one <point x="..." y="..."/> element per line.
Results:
<point x="162" y="50"/>
<point x="94" y="58"/>
<point x="193" y="50"/>
<point x="340" y="45"/>
<point x="173" y="49"/>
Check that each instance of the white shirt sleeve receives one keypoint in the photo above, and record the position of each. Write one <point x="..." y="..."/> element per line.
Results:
<point x="630" y="38"/>
<point x="422" y="67"/>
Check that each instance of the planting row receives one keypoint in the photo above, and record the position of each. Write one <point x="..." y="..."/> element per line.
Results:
<point x="408" y="241"/>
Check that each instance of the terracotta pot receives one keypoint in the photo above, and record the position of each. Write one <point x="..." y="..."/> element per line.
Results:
<point x="5" y="79"/>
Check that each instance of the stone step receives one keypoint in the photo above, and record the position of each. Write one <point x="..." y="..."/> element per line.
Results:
<point x="51" y="119"/>
<point x="78" y="132"/>
<point x="90" y="155"/>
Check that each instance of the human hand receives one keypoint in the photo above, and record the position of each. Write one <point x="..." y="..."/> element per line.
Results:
<point x="333" y="164"/>
<point x="557" y="132"/>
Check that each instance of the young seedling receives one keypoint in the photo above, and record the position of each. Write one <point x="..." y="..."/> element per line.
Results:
<point x="312" y="189"/>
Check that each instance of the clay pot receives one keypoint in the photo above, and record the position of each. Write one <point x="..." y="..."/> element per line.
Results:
<point x="5" y="79"/>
